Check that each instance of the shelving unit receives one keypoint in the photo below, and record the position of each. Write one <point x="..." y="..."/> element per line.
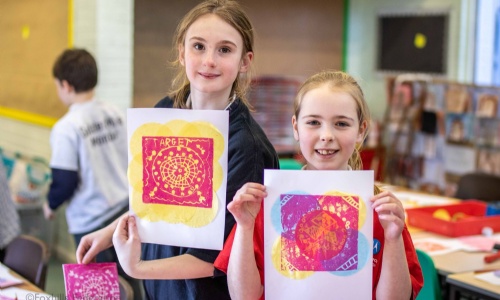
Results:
<point x="435" y="131"/>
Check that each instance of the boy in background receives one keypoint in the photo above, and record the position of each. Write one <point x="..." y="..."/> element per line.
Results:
<point x="89" y="152"/>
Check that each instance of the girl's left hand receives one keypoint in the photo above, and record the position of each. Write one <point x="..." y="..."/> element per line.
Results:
<point x="128" y="245"/>
<point x="390" y="213"/>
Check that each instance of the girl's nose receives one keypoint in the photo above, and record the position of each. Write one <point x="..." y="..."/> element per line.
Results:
<point x="209" y="59"/>
<point x="326" y="135"/>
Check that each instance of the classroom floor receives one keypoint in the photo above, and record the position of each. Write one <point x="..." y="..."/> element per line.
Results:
<point x="54" y="284"/>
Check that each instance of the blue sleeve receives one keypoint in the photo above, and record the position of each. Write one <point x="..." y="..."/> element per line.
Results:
<point x="63" y="186"/>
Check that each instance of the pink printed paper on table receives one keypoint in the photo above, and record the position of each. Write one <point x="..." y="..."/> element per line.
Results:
<point x="91" y="281"/>
<point x="177" y="175"/>
<point x="318" y="234"/>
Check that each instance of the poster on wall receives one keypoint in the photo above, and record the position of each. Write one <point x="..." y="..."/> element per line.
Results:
<point x="177" y="175"/>
<point x="318" y="234"/>
<point x="413" y="42"/>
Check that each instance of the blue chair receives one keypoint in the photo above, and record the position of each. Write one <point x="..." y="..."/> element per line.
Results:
<point x="431" y="289"/>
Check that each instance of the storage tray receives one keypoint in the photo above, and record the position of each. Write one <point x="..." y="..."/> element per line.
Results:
<point x="473" y="223"/>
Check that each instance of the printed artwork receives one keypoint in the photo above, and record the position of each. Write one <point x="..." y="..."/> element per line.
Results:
<point x="458" y="99"/>
<point x="316" y="239"/>
<point x="177" y="170"/>
<point x="459" y="127"/>
<point x="488" y="161"/>
<point x="91" y="281"/>
<point x="318" y="234"/>
<point x="400" y="103"/>
<point x="487" y="105"/>
<point x="177" y="174"/>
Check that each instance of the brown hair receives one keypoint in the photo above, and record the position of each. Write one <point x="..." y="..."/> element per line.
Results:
<point x="338" y="80"/>
<point x="232" y="13"/>
<point x="78" y="68"/>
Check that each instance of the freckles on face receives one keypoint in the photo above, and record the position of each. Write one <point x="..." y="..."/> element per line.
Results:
<point x="327" y="128"/>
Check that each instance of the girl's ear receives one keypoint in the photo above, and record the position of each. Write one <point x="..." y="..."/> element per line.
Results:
<point x="181" y="54"/>
<point x="362" y="130"/>
<point x="295" y="130"/>
<point x="246" y="60"/>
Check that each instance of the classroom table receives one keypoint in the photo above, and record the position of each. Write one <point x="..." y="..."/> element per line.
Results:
<point x="467" y="283"/>
<point x="25" y="290"/>
<point x="455" y="269"/>
<point x="458" y="261"/>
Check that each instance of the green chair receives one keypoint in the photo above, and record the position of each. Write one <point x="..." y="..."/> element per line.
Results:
<point x="289" y="164"/>
<point x="431" y="289"/>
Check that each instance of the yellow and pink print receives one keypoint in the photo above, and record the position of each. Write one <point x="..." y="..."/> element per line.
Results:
<point x="175" y="172"/>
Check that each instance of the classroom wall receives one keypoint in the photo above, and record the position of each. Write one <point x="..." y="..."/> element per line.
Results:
<point x="362" y="42"/>
<point x="292" y="38"/>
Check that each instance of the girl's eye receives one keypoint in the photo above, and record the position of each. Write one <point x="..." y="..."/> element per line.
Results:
<point x="198" y="46"/>
<point x="225" y="50"/>
<point x="312" y="122"/>
<point x="343" y="124"/>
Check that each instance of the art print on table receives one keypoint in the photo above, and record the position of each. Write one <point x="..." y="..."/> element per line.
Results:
<point x="177" y="175"/>
<point x="91" y="281"/>
<point x="318" y="234"/>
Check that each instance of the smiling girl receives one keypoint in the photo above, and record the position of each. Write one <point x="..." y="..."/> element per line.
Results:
<point x="215" y="51"/>
<point x="330" y="122"/>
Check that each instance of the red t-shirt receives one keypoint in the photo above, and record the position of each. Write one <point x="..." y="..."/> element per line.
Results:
<point x="417" y="280"/>
<point x="222" y="260"/>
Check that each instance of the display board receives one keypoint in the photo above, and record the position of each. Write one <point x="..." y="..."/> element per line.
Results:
<point x="32" y="35"/>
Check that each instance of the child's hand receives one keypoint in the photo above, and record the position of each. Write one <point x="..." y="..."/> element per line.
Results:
<point x="390" y="213"/>
<point x="128" y="245"/>
<point x="246" y="203"/>
<point x="48" y="212"/>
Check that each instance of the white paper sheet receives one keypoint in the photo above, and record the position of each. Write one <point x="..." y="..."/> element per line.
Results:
<point x="7" y="279"/>
<point x="292" y="230"/>
<point x="490" y="277"/>
<point x="20" y="294"/>
<point x="178" y="174"/>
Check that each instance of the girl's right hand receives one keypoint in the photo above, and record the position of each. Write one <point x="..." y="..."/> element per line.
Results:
<point x="128" y="245"/>
<point x="246" y="203"/>
<point x="92" y="244"/>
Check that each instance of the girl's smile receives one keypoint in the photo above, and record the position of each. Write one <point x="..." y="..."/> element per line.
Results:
<point x="326" y="152"/>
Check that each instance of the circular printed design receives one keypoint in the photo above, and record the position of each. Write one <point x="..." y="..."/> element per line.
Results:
<point x="140" y="171"/>
<point x="320" y="234"/>
<point x="180" y="171"/>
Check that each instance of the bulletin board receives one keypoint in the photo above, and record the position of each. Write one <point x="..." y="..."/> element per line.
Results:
<point x="32" y="35"/>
